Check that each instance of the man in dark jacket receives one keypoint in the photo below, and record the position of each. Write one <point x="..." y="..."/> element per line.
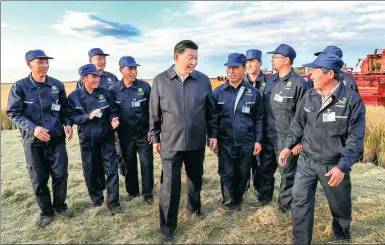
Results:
<point x="37" y="105"/>
<point x="258" y="80"/>
<point x="240" y="131"/>
<point x="90" y="108"/>
<point x="181" y="113"/>
<point x="281" y="97"/>
<point x="132" y="98"/>
<point x="330" y="122"/>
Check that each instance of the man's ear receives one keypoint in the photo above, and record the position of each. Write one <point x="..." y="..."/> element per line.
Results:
<point x="29" y="64"/>
<point x="176" y="56"/>
<point x="89" y="60"/>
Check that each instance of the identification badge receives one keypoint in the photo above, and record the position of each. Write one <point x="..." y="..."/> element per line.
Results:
<point x="55" y="107"/>
<point x="329" y="117"/>
<point x="278" y="98"/>
<point x="135" y="103"/>
<point x="246" y="109"/>
<point x="99" y="115"/>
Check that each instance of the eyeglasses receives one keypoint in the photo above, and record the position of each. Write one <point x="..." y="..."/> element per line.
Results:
<point x="277" y="57"/>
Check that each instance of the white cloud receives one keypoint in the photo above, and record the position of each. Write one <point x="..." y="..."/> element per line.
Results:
<point x="220" y="28"/>
<point x="3" y="24"/>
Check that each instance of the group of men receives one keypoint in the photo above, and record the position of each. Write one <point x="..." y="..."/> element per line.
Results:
<point x="311" y="130"/>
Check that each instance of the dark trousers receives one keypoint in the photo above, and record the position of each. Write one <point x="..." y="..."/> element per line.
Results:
<point x="42" y="162"/>
<point x="120" y="159"/>
<point x="268" y="165"/>
<point x="169" y="194"/>
<point x="339" y="198"/>
<point x="98" y="163"/>
<point x="145" y="150"/>
<point x="254" y="175"/>
<point x="234" y="171"/>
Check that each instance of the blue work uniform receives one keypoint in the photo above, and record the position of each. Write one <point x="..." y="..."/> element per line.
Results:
<point x="96" y="143"/>
<point x="32" y="104"/>
<point x="240" y="126"/>
<point x="133" y="111"/>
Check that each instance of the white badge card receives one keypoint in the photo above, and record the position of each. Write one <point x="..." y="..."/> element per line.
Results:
<point x="55" y="107"/>
<point x="135" y="103"/>
<point x="278" y="97"/>
<point x="246" y="109"/>
<point x="99" y="115"/>
<point x="329" y="117"/>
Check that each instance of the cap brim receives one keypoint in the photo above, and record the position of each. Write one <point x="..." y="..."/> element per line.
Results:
<point x="317" y="53"/>
<point x="233" y="64"/>
<point x="272" y="52"/>
<point x="100" y="54"/>
<point x="42" y="57"/>
<point x="252" y="58"/>
<point x="130" y="65"/>
<point x="94" y="73"/>
<point x="312" y="65"/>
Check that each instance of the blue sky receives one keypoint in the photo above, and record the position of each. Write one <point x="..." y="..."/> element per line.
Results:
<point x="149" y="31"/>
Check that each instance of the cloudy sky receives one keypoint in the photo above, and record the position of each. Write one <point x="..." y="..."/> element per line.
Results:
<point x="149" y="31"/>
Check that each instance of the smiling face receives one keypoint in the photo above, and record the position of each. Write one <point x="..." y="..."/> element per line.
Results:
<point x="186" y="61"/>
<point x="91" y="81"/>
<point x="321" y="78"/>
<point x="39" y="66"/>
<point x="253" y="66"/>
<point x="99" y="61"/>
<point x="235" y="73"/>
<point x="129" y="73"/>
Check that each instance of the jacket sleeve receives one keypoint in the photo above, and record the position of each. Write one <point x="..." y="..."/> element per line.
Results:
<point x="15" y="109"/>
<point x="79" y="84"/>
<point x="114" y="107"/>
<point x="297" y="126"/>
<point x="76" y="113"/>
<point x="155" y="113"/>
<point x="211" y="115"/>
<point x="63" y="109"/>
<point x="111" y="112"/>
<point x="301" y="90"/>
<point x="258" y="118"/>
<point x="354" y="142"/>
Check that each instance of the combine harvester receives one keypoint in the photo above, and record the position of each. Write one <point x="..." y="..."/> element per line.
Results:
<point x="371" y="79"/>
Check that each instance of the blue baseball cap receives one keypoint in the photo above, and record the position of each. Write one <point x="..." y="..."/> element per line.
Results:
<point x="236" y="59"/>
<point x="285" y="50"/>
<point x="327" y="60"/>
<point x="253" y="54"/>
<point x="331" y="49"/>
<point x="35" y="54"/>
<point x="96" y="51"/>
<point x="88" y="69"/>
<point x="127" y="61"/>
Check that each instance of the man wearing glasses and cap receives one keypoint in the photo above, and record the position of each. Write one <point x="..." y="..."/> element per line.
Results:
<point x="258" y="80"/>
<point x="347" y="79"/>
<point x="107" y="79"/>
<point x="330" y="121"/>
<point x="240" y="131"/>
<point x="90" y="107"/>
<point x="37" y="105"/>
<point x="132" y="98"/>
<point x="281" y="97"/>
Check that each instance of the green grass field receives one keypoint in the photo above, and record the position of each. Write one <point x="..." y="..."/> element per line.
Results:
<point x="139" y="222"/>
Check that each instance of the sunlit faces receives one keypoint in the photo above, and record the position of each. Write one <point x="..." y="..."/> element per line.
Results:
<point x="39" y="66"/>
<point x="235" y="73"/>
<point x="99" y="61"/>
<point x="321" y="79"/>
<point x="278" y="61"/>
<point x="129" y="73"/>
<point x="187" y="61"/>
<point x="91" y="81"/>
<point x="253" y="66"/>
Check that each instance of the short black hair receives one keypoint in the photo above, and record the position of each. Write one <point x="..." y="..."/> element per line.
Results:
<point x="182" y="45"/>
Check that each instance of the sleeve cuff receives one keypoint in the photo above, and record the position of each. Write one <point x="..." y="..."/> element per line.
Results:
<point x="155" y="139"/>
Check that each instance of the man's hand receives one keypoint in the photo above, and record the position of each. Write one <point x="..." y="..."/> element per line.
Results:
<point x="93" y="113"/>
<point x="114" y="122"/>
<point x="337" y="176"/>
<point x="69" y="132"/>
<point x="213" y="143"/>
<point x="285" y="153"/>
<point x="157" y="148"/>
<point x="149" y="138"/>
<point x="257" y="148"/>
<point x="297" y="149"/>
<point x="41" y="133"/>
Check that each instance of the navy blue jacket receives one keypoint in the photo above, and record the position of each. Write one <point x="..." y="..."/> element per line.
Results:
<point x="349" y="81"/>
<point x="80" y="104"/>
<point x="132" y="108"/>
<point x="30" y="105"/>
<point x="280" y="101"/>
<point x="107" y="79"/>
<point x="334" y="134"/>
<point x="244" y="126"/>
<point x="260" y="83"/>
